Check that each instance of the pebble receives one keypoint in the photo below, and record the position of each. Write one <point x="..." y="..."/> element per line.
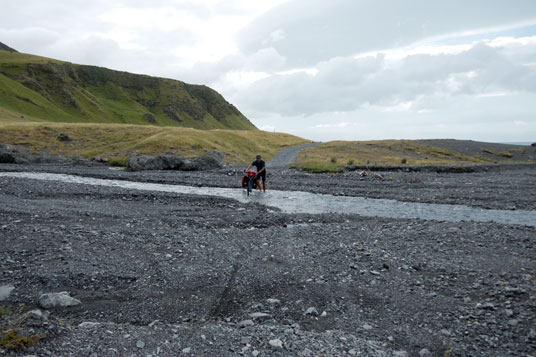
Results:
<point x="257" y="315"/>
<point x="273" y="301"/>
<point x="186" y="350"/>
<point x="140" y="344"/>
<point x="425" y="353"/>
<point x="245" y="323"/>
<point x="513" y="322"/>
<point x="400" y="354"/>
<point x="5" y="291"/>
<point x="311" y="311"/>
<point x="367" y="327"/>
<point x="277" y="343"/>
<point x="255" y="353"/>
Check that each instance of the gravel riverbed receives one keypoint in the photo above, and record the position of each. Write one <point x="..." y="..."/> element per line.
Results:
<point x="173" y="274"/>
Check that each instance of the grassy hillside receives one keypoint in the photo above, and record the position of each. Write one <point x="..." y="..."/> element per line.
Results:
<point x="332" y="155"/>
<point x="43" y="89"/>
<point x="116" y="141"/>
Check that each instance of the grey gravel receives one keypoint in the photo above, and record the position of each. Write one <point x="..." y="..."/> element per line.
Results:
<point x="167" y="269"/>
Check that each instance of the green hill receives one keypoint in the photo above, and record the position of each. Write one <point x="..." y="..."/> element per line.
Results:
<point x="43" y="89"/>
<point x="6" y="48"/>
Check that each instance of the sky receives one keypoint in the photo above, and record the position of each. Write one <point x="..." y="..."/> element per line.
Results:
<point x="322" y="70"/>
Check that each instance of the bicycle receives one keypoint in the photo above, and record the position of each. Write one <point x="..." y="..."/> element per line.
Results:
<point x="249" y="181"/>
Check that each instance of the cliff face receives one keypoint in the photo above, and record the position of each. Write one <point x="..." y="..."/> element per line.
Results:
<point x="52" y="90"/>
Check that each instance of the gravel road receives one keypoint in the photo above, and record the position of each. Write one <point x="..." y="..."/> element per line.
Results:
<point x="175" y="274"/>
<point x="286" y="157"/>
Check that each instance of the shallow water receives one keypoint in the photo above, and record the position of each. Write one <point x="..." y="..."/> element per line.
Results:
<point x="305" y="202"/>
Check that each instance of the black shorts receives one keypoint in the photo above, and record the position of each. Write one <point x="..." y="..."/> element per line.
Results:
<point x="262" y="175"/>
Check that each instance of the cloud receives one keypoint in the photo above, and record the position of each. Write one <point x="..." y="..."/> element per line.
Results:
<point x="317" y="30"/>
<point x="416" y="82"/>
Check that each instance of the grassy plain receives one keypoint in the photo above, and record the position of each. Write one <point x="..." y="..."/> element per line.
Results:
<point x="331" y="156"/>
<point x="116" y="141"/>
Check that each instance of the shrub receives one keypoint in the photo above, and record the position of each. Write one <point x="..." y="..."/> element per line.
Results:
<point x="10" y="337"/>
<point x="333" y="160"/>
<point x="350" y="162"/>
<point x="118" y="161"/>
<point x="63" y="137"/>
<point x="404" y="161"/>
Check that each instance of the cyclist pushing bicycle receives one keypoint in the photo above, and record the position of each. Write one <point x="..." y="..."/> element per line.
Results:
<point x="261" y="172"/>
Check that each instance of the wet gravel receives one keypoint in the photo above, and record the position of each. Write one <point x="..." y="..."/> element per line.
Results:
<point x="170" y="274"/>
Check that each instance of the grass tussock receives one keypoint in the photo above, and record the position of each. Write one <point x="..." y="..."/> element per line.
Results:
<point x="116" y="141"/>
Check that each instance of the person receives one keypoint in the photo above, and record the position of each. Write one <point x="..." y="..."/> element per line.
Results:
<point x="261" y="172"/>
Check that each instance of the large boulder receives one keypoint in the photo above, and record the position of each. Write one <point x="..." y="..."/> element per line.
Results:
<point x="168" y="161"/>
<point x="208" y="161"/>
<point x="160" y="162"/>
<point x="13" y="155"/>
<point x="145" y="162"/>
<point x="61" y="299"/>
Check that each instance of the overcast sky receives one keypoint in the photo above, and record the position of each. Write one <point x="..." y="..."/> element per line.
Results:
<point x="324" y="70"/>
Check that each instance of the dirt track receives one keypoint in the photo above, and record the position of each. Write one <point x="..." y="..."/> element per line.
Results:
<point x="321" y="284"/>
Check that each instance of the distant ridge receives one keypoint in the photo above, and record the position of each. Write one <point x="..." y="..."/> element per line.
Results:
<point x="4" y="47"/>
<point x="45" y="89"/>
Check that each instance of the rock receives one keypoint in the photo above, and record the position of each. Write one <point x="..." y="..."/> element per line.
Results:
<point x="245" y="323"/>
<point x="187" y="350"/>
<point x="38" y="315"/>
<point x="485" y="306"/>
<point x="211" y="160"/>
<point x="533" y="144"/>
<point x="145" y="162"/>
<point x="425" y="353"/>
<point x="5" y="291"/>
<point x="88" y="324"/>
<point x="400" y="354"/>
<point x="61" y="299"/>
<point x="513" y="322"/>
<point x="150" y="118"/>
<point x="311" y="311"/>
<point x="13" y="155"/>
<point x="257" y="315"/>
<point x="277" y="343"/>
<point x="140" y="344"/>
<point x="273" y="301"/>
<point x="367" y="327"/>
<point x="255" y="353"/>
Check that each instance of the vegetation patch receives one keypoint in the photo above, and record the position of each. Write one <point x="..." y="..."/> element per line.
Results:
<point x="44" y="89"/>
<point x="390" y="153"/>
<point x="116" y="142"/>
<point x="11" y="335"/>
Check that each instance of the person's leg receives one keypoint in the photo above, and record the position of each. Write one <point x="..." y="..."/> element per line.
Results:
<point x="259" y="184"/>
<point x="264" y="182"/>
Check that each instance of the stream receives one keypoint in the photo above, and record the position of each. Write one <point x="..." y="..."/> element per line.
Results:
<point x="312" y="203"/>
